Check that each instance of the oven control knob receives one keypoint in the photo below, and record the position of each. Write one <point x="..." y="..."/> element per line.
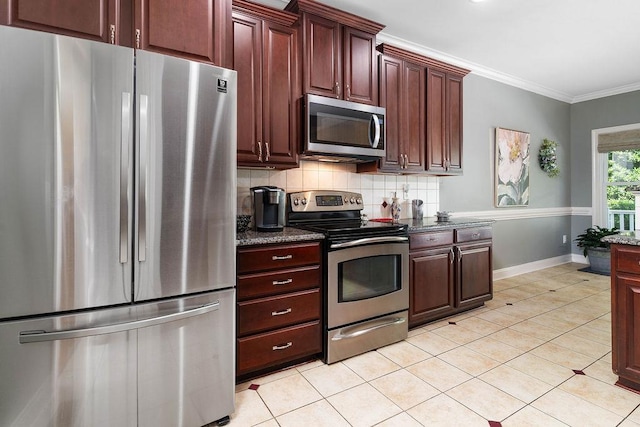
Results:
<point x="359" y="201"/>
<point x="303" y="201"/>
<point x="296" y="201"/>
<point x="352" y="200"/>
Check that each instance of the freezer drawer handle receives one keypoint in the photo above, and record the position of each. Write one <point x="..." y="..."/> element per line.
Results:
<point x="282" y="282"/>
<point x="281" y="258"/>
<point x="280" y="313"/>
<point x="282" y="347"/>
<point x="40" y="336"/>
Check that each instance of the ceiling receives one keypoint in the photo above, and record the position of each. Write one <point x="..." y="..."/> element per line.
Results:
<point x="570" y="50"/>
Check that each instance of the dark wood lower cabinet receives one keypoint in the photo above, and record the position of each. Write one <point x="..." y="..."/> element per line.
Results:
<point x="450" y="271"/>
<point x="279" y="308"/>
<point x="625" y="314"/>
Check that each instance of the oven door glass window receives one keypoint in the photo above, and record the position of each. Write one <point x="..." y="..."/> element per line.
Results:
<point x="369" y="277"/>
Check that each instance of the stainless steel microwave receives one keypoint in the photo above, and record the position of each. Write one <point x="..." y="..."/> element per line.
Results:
<point x="343" y="130"/>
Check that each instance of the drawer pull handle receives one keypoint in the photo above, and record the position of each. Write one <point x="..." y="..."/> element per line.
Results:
<point x="282" y="282"/>
<point x="281" y="258"/>
<point x="282" y="347"/>
<point x="475" y="235"/>
<point x="280" y="313"/>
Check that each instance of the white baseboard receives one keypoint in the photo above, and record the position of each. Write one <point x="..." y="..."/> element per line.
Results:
<point x="503" y="273"/>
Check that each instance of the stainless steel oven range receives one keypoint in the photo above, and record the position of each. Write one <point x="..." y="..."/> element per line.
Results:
<point x="366" y="272"/>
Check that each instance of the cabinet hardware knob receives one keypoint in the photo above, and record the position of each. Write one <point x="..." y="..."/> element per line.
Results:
<point x="280" y="313"/>
<point x="475" y="235"/>
<point x="406" y="161"/>
<point x="282" y="347"/>
<point x="259" y="150"/>
<point x="282" y="282"/>
<point x="348" y="92"/>
<point x="266" y="146"/>
<point x="281" y="258"/>
<point x="112" y="34"/>
<point x="337" y="90"/>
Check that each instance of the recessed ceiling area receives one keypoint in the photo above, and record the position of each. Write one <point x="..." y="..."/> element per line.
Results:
<point x="571" y="50"/>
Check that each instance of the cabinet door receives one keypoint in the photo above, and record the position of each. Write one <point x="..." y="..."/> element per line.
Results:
<point x="323" y="63"/>
<point x="431" y="284"/>
<point x="88" y="19"/>
<point x="360" y="68"/>
<point x="391" y="99"/>
<point x="247" y="61"/>
<point x="414" y="117"/>
<point x="436" y="116"/>
<point x="626" y="335"/>
<point x="280" y="94"/>
<point x="194" y="29"/>
<point x="474" y="278"/>
<point x="454" y="124"/>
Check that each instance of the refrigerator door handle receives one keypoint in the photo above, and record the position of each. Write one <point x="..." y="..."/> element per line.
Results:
<point x="144" y="152"/>
<point x="124" y="177"/>
<point x="41" y="336"/>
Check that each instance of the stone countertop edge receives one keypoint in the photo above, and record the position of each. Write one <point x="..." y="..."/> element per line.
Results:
<point x="624" y="238"/>
<point x="430" y="224"/>
<point x="287" y="235"/>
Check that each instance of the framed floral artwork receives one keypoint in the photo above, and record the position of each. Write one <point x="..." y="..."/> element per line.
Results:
<point x="512" y="168"/>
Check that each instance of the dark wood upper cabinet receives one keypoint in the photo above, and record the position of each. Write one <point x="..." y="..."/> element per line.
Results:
<point x="108" y="21"/>
<point x="265" y="52"/>
<point x="444" y="119"/>
<point x="402" y="94"/>
<point x="193" y="29"/>
<point x="339" y="52"/>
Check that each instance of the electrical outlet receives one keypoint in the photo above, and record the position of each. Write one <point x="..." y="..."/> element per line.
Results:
<point x="405" y="191"/>
<point x="564" y="239"/>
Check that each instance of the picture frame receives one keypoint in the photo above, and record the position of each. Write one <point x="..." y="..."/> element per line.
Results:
<point x="512" y="148"/>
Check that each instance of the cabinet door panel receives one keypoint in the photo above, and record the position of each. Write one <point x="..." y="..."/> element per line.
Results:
<point x="194" y="29"/>
<point x="89" y="19"/>
<point x="280" y="92"/>
<point x="247" y="61"/>
<point x="360" y="68"/>
<point x="414" y="116"/>
<point x="431" y="292"/>
<point x="391" y="100"/>
<point x="323" y="67"/>
<point x="474" y="282"/>
<point x="454" y="123"/>
<point x="436" y="103"/>
<point x="626" y="337"/>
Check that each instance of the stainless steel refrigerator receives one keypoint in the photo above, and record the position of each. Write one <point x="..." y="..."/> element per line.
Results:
<point x="117" y="235"/>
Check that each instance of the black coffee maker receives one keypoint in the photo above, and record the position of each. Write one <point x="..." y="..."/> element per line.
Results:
<point x="268" y="208"/>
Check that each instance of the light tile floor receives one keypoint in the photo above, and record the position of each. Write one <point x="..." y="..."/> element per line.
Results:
<point x="538" y="354"/>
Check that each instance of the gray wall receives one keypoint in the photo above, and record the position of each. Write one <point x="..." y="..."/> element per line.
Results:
<point x="489" y="104"/>
<point x="600" y="113"/>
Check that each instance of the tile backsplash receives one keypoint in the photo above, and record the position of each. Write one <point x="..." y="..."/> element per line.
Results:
<point x="375" y="189"/>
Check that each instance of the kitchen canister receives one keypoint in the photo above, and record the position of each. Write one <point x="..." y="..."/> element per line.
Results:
<point x="417" y="209"/>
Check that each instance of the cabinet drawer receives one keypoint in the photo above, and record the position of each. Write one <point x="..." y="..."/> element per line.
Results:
<point x="273" y="348"/>
<point x="273" y="257"/>
<point x="278" y="282"/>
<point x="276" y="312"/>
<point x="430" y="240"/>
<point x="471" y="234"/>
<point x="627" y="259"/>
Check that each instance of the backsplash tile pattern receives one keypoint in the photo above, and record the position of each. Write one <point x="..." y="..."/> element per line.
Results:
<point x="375" y="189"/>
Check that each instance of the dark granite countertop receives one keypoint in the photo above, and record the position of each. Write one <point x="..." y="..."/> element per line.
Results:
<point x="624" y="238"/>
<point x="430" y="224"/>
<point x="287" y="235"/>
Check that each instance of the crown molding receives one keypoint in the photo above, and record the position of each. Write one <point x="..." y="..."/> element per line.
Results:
<point x="607" y="92"/>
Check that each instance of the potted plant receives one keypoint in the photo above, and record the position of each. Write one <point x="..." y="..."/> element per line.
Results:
<point x="596" y="251"/>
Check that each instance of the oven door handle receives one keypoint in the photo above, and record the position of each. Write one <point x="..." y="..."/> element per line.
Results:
<point x="367" y="240"/>
<point x="356" y="331"/>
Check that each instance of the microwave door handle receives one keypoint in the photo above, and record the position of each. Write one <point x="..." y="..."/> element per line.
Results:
<point x="375" y="121"/>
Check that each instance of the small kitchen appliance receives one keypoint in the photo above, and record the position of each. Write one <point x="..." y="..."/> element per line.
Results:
<point x="416" y="209"/>
<point x="268" y="207"/>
